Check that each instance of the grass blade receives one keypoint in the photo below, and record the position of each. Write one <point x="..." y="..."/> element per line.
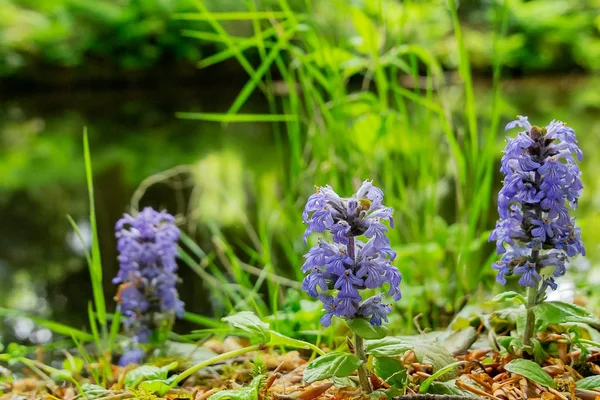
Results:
<point x="237" y="117"/>
<point x="201" y="320"/>
<point x="96" y="266"/>
<point x="230" y="16"/>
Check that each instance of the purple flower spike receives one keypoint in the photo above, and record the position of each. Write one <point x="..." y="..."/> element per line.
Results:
<point x="339" y="270"/>
<point x="535" y="231"/>
<point x="147" y="245"/>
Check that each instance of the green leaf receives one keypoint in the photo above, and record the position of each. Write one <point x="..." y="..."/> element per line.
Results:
<point x="15" y="350"/>
<point x="591" y="382"/>
<point x="390" y="370"/>
<point x="159" y="387"/>
<point x="557" y="312"/>
<point x="147" y="373"/>
<point x="277" y="339"/>
<point x="248" y="393"/>
<point x="61" y="375"/>
<point x="249" y="322"/>
<point x="510" y="296"/>
<point x="73" y="364"/>
<point x="510" y="343"/>
<point x="448" y="388"/>
<point x="434" y="353"/>
<point x="365" y="329"/>
<point x="530" y="370"/>
<point x="331" y="365"/>
<point x="93" y="392"/>
<point x="428" y="351"/>
<point x="459" y="341"/>
<point x="539" y="354"/>
<point x="388" y="347"/>
<point x="390" y="393"/>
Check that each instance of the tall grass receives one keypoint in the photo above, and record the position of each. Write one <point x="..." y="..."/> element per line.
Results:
<point x="365" y="106"/>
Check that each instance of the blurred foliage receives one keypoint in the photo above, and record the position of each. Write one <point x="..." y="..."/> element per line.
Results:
<point x="69" y="33"/>
<point x="550" y="35"/>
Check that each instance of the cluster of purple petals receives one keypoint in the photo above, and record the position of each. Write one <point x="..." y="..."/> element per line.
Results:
<point x="147" y="245"/>
<point x="535" y="234"/>
<point x="340" y="269"/>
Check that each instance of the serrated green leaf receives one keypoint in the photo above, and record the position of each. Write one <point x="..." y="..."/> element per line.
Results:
<point x="147" y="373"/>
<point x="390" y="370"/>
<point x="591" y="382"/>
<point x="388" y="347"/>
<point x="530" y="370"/>
<point x="365" y="329"/>
<point x="558" y="312"/>
<point x="249" y="322"/>
<point x="331" y="365"/>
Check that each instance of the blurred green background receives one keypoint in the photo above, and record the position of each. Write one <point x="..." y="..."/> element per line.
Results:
<point x="228" y="112"/>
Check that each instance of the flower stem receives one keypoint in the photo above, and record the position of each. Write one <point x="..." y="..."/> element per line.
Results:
<point x="530" y="321"/>
<point x="359" y="347"/>
<point x="363" y="374"/>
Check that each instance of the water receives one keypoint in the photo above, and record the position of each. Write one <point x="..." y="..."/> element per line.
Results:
<point x="134" y="134"/>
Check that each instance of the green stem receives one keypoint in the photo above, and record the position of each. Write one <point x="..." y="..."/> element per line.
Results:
<point x="363" y="374"/>
<point x="359" y="346"/>
<point x="530" y="321"/>
<point x="589" y="342"/>
<point x="213" y="360"/>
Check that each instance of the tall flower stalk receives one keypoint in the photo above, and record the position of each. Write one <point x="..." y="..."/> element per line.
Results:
<point x="535" y="234"/>
<point x="340" y="269"/>
<point x="147" y="245"/>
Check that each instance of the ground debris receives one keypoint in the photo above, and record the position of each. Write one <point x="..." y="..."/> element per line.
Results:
<point x="482" y="375"/>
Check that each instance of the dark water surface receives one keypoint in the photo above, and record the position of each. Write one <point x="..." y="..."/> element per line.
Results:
<point x="134" y="134"/>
